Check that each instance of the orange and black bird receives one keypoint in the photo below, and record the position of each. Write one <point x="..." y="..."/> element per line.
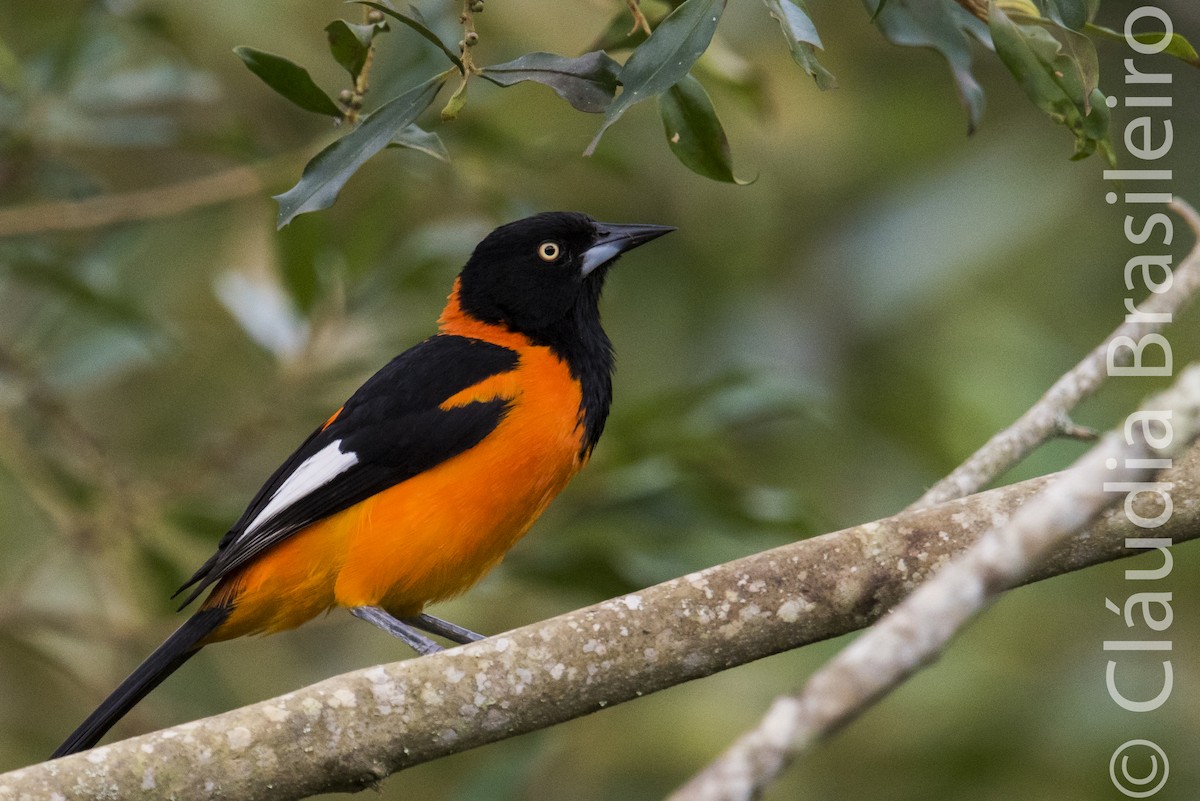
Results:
<point x="417" y="486"/>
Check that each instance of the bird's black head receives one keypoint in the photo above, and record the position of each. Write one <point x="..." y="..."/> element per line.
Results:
<point x="543" y="272"/>
<point x="542" y="277"/>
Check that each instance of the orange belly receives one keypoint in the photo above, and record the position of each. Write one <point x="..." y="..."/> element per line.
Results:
<point x="432" y="536"/>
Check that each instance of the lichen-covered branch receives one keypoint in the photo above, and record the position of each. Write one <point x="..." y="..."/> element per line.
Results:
<point x="919" y="629"/>
<point x="1045" y="418"/>
<point x="351" y="731"/>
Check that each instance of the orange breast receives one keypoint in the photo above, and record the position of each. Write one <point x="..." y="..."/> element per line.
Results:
<point x="432" y="536"/>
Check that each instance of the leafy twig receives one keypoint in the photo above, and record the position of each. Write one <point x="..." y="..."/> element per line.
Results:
<point x="470" y="35"/>
<point x="352" y="99"/>
<point x="469" y="69"/>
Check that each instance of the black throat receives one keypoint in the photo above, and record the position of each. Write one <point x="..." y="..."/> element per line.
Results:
<point x="579" y="340"/>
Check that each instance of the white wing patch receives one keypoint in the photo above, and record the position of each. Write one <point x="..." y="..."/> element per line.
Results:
<point x="313" y="473"/>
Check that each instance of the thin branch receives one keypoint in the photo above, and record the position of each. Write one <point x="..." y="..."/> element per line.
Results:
<point x="640" y="23"/>
<point x="1067" y="428"/>
<point x="352" y="731"/>
<point x="1043" y="420"/>
<point x="143" y="204"/>
<point x="470" y="36"/>
<point x="918" y="630"/>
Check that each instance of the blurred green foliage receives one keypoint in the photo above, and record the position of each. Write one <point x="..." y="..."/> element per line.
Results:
<point x="808" y="352"/>
<point x="1044" y="44"/>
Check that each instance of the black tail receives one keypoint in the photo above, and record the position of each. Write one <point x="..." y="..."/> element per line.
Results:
<point x="166" y="659"/>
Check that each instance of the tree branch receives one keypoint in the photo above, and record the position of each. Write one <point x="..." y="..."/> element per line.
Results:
<point x="142" y="204"/>
<point x="353" y="730"/>
<point x="1047" y="417"/>
<point x="920" y="628"/>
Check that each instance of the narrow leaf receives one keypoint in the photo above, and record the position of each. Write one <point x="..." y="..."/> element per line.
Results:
<point x="663" y="59"/>
<point x="1178" y="46"/>
<point x="414" y="137"/>
<point x="1071" y="13"/>
<point x="329" y="170"/>
<point x="694" y="133"/>
<point x="350" y="44"/>
<point x="414" y="21"/>
<point x="802" y="39"/>
<point x="588" y="82"/>
<point x="944" y="26"/>
<point x="288" y="79"/>
<point x="1058" y="70"/>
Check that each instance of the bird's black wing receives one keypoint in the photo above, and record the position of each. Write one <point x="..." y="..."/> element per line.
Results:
<point x="389" y="430"/>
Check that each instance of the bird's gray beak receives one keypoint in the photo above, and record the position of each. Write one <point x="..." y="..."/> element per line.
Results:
<point x="616" y="239"/>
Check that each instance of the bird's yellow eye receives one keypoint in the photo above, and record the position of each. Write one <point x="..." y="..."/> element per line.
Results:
<point x="549" y="251"/>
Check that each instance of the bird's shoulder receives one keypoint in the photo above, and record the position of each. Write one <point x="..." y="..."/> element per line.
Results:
<point x="428" y="373"/>
<point x="435" y="400"/>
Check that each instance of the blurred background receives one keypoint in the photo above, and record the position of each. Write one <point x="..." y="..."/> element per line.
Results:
<point x="808" y="352"/>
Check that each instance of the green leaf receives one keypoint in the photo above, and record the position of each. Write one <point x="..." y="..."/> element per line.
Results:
<point x="588" y="82"/>
<point x="329" y="170"/>
<point x="414" y="20"/>
<point x="414" y="137"/>
<point x="663" y="59"/>
<point x="288" y="79"/>
<point x="1058" y="70"/>
<point x="942" y="25"/>
<point x="455" y="103"/>
<point x="350" y="44"/>
<point x="1178" y="46"/>
<point x="1071" y="13"/>
<point x="802" y="38"/>
<point x="694" y="133"/>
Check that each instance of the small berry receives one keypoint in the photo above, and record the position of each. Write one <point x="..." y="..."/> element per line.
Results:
<point x="471" y="39"/>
